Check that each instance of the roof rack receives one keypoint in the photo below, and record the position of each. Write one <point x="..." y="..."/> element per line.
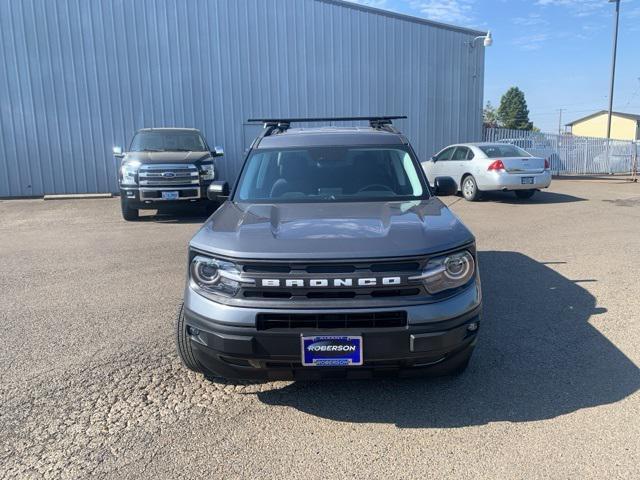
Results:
<point x="279" y="125"/>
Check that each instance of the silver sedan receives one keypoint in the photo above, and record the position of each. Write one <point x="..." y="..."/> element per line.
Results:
<point x="481" y="167"/>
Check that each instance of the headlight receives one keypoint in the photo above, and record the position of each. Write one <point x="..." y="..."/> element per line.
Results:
<point x="447" y="272"/>
<point x="129" y="172"/>
<point x="216" y="276"/>
<point x="208" y="172"/>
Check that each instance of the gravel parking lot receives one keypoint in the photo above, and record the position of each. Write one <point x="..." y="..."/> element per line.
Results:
<point x="91" y="385"/>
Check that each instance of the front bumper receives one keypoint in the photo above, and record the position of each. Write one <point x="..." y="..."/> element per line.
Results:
<point x="436" y="340"/>
<point x="512" y="181"/>
<point x="133" y="196"/>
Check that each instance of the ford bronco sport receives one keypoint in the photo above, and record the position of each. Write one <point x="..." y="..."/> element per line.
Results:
<point x="331" y="257"/>
<point x="165" y="167"/>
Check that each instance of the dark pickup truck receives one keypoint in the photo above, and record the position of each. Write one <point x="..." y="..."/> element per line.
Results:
<point x="165" y="167"/>
<point x="331" y="257"/>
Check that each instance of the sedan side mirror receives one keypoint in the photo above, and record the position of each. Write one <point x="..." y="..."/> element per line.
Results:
<point x="217" y="151"/>
<point x="218" y="190"/>
<point x="433" y="159"/>
<point x="445" y="186"/>
<point x="117" y="152"/>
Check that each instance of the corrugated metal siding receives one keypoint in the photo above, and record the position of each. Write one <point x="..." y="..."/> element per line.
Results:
<point x="77" y="77"/>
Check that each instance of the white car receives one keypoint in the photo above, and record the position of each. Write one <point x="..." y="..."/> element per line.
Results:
<point x="482" y="167"/>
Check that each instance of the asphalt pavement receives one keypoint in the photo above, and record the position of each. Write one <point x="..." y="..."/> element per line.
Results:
<point x="91" y="386"/>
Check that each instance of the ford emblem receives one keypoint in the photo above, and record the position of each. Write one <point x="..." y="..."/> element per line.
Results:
<point x="168" y="174"/>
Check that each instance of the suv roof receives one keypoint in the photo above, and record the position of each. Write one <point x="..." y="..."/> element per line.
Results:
<point x="319" y="137"/>
<point x="169" y="129"/>
<point x="278" y="134"/>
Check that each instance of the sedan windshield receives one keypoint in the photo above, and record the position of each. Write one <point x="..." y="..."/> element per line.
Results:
<point x="497" y="151"/>
<point x="167" y="141"/>
<point x="330" y="174"/>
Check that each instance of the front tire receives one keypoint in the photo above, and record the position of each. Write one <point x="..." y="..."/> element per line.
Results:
<point x="128" y="213"/>
<point x="524" y="194"/>
<point x="183" y="343"/>
<point x="470" y="190"/>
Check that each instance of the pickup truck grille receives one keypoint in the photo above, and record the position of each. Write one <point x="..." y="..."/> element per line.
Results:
<point x="168" y="175"/>
<point x="181" y="178"/>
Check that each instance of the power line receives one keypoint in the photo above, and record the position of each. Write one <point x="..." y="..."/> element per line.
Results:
<point x="555" y="112"/>
<point x="633" y="95"/>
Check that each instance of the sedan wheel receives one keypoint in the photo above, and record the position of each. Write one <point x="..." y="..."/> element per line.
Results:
<point x="470" y="189"/>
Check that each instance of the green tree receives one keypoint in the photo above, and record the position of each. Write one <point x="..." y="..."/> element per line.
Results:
<point x="490" y="116"/>
<point x="513" y="112"/>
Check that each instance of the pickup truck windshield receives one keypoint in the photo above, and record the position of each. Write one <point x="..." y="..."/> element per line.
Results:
<point x="326" y="174"/>
<point x="167" y="141"/>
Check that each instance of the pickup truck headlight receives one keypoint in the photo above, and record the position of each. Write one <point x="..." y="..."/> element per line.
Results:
<point x="208" y="172"/>
<point x="216" y="276"/>
<point x="447" y="272"/>
<point x="129" y="171"/>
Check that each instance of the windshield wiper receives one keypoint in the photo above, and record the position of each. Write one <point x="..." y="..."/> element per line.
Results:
<point x="153" y="150"/>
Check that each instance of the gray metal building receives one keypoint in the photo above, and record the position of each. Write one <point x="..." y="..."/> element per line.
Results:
<point x="77" y="77"/>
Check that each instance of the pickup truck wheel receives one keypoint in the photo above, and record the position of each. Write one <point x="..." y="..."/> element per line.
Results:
<point x="524" y="194"/>
<point x="183" y="343"/>
<point x="128" y="213"/>
<point x="470" y="190"/>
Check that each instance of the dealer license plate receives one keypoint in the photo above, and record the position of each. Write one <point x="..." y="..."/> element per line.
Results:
<point x="527" y="180"/>
<point x="170" y="195"/>
<point x="331" y="351"/>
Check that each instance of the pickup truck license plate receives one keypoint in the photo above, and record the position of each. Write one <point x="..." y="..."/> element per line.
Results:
<point x="170" y="195"/>
<point x="331" y="351"/>
<point x="527" y="180"/>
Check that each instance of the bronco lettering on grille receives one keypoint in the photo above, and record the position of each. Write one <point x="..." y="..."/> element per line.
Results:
<point x="330" y="282"/>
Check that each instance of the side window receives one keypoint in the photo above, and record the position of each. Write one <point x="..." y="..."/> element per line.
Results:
<point x="460" y="153"/>
<point x="470" y="154"/>
<point x="445" y="154"/>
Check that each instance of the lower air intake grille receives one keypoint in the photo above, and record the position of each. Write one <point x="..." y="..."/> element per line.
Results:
<point x="266" y="321"/>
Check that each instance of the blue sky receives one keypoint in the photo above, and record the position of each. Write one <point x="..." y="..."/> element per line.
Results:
<point x="557" y="51"/>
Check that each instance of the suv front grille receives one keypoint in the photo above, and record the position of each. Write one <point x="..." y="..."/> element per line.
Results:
<point x="320" y="321"/>
<point x="332" y="294"/>
<point x="378" y="269"/>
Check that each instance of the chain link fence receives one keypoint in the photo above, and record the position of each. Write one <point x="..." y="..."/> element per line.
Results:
<point x="569" y="154"/>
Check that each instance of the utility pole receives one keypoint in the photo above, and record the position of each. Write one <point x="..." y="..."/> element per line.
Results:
<point x="560" y="122"/>
<point x="613" y="64"/>
<point x="613" y="74"/>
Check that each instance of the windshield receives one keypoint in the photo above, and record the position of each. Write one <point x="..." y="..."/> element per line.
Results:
<point x="506" y="150"/>
<point x="330" y="174"/>
<point x="167" y="141"/>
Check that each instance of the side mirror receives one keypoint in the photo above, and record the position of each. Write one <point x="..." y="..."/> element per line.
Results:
<point x="117" y="152"/>
<point x="445" y="186"/>
<point x="433" y="159"/>
<point x="218" y="190"/>
<point x="217" y="151"/>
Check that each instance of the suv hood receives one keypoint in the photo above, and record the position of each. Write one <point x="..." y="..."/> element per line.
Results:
<point x="166" y="157"/>
<point x="331" y="230"/>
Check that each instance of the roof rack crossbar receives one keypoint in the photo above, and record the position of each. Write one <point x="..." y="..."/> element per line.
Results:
<point x="378" y="119"/>
<point x="272" y="125"/>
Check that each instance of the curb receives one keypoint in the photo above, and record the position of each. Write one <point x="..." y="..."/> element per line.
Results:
<point x="77" y="196"/>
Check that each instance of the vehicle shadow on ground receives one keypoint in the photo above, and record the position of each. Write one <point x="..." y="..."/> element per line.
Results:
<point x="182" y="216"/>
<point x="537" y="358"/>
<point x="541" y="197"/>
